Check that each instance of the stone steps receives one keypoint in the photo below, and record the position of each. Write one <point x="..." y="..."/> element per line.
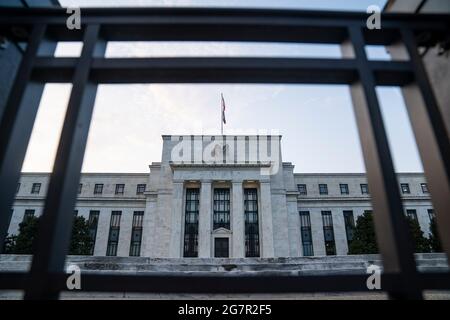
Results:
<point x="298" y="265"/>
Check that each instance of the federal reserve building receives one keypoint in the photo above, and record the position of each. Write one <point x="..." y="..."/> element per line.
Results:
<point x="221" y="197"/>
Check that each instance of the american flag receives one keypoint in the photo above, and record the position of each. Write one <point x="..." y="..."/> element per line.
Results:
<point x="223" y="110"/>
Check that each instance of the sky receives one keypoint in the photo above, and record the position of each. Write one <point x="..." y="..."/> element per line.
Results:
<point x="317" y="122"/>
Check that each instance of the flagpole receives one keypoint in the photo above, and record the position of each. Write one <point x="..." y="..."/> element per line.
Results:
<point x="221" y="114"/>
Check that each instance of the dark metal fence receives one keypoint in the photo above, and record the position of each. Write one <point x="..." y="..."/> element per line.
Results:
<point x="43" y="28"/>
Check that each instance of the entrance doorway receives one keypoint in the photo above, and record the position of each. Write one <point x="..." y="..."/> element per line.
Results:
<point x="221" y="248"/>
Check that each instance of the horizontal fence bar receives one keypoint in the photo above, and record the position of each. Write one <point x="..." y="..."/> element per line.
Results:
<point x="222" y="70"/>
<point x="91" y="282"/>
<point x="220" y="24"/>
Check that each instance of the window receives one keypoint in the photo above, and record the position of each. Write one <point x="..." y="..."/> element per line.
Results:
<point x="411" y="213"/>
<point x="18" y="188"/>
<point x="431" y="214"/>
<point x="364" y="188"/>
<point x="80" y="187"/>
<point x="221" y="208"/>
<point x="120" y="188"/>
<point x="36" y="188"/>
<point x="424" y="187"/>
<point x="114" y="230"/>
<point x="75" y="213"/>
<point x="305" y="229"/>
<point x="93" y="223"/>
<point x="221" y="248"/>
<point x="349" y="221"/>
<point x="140" y="189"/>
<point x="344" y="188"/>
<point x="98" y="188"/>
<point x="28" y="214"/>
<point x="328" y="233"/>
<point x="302" y="189"/>
<point x="405" y="188"/>
<point x="136" y="234"/>
<point x="323" y="189"/>
<point x="251" y="222"/>
<point x="191" y="222"/>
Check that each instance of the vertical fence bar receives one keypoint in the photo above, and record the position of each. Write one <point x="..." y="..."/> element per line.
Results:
<point x="430" y="132"/>
<point x="56" y="222"/>
<point x="16" y="123"/>
<point x="391" y="229"/>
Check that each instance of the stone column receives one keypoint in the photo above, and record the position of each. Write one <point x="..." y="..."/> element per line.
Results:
<point x="103" y="224"/>
<point x="149" y="228"/>
<point x="237" y="218"/>
<point x="177" y="214"/>
<point x="266" y="220"/>
<point x="126" y="221"/>
<point x="204" y="227"/>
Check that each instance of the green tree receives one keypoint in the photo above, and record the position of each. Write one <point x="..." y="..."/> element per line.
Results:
<point x="420" y="242"/>
<point x="80" y="243"/>
<point x="435" y="244"/>
<point x="27" y="233"/>
<point x="10" y="243"/>
<point x="364" y="240"/>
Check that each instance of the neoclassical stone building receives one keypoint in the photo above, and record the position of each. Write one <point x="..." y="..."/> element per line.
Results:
<point x="223" y="196"/>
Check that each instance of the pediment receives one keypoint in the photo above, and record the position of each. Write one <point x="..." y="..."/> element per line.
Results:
<point x="222" y="231"/>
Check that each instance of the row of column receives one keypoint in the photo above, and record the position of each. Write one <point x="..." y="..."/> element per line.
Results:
<point x="237" y="245"/>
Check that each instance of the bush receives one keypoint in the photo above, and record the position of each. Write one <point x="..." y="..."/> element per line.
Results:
<point x="364" y="241"/>
<point x="80" y="242"/>
<point x="420" y="242"/>
<point x="435" y="244"/>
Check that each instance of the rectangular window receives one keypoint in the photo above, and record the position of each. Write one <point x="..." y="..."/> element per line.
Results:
<point x="136" y="234"/>
<point x="344" y="188"/>
<point x="75" y="213"/>
<point x="251" y="222"/>
<point x="36" y="188"/>
<point x="221" y="208"/>
<point x="302" y="189"/>
<point x="28" y="214"/>
<point x="431" y="214"/>
<point x="114" y="230"/>
<point x="323" y="189"/>
<point x="120" y="188"/>
<point x="98" y="188"/>
<point x="411" y="213"/>
<point x="364" y="188"/>
<point x="18" y="188"/>
<point x="424" y="187"/>
<point x="349" y="221"/>
<point x="405" y="188"/>
<point x="140" y="189"/>
<point x="191" y="222"/>
<point x="80" y="187"/>
<point x="93" y="224"/>
<point x="305" y="228"/>
<point x="328" y="233"/>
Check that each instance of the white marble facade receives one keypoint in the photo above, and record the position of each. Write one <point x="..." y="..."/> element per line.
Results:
<point x="163" y="203"/>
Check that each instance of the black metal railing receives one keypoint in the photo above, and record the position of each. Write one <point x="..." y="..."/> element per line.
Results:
<point x="41" y="29"/>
